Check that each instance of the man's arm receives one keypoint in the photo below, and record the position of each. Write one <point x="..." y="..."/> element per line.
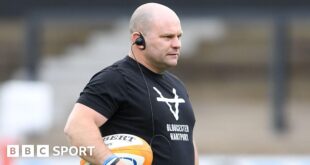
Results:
<point x="82" y="129"/>
<point x="196" y="153"/>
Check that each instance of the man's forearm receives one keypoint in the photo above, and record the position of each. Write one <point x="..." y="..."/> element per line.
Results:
<point x="196" y="154"/>
<point x="84" y="132"/>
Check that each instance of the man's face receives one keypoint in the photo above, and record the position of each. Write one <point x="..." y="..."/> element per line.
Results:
<point x="163" y="43"/>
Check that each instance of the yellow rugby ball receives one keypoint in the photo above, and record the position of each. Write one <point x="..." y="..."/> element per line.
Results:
<point x="130" y="148"/>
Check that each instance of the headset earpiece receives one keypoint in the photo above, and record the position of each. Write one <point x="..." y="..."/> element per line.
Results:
<point x="140" y="41"/>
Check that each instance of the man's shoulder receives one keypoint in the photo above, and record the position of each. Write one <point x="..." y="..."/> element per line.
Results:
<point x="172" y="76"/>
<point x="110" y="73"/>
<point x="175" y="79"/>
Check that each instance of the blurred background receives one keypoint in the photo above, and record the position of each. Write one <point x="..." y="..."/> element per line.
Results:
<point x="246" y="66"/>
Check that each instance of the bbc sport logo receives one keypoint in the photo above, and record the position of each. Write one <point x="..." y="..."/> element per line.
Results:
<point x="28" y="151"/>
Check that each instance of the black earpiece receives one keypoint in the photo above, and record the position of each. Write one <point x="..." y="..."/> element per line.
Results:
<point x="140" y="41"/>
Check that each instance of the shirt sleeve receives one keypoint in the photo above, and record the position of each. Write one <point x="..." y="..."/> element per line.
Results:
<point x="104" y="93"/>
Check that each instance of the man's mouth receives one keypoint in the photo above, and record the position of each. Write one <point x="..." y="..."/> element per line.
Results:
<point x="173" y="54"/>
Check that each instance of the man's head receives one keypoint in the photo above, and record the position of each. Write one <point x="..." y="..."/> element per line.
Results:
<point x="161" y="30"/>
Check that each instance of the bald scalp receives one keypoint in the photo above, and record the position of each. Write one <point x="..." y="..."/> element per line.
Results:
<point x="140" y="21"/>
<point x="144" y="16"/>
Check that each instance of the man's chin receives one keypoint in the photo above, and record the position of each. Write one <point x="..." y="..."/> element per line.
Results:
<point x="173" y="63"/>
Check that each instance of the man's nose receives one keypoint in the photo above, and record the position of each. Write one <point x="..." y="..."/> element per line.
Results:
<point x="176" y="43"/>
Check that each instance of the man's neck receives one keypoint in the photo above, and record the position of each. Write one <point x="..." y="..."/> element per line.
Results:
<point x="143" y="61"/>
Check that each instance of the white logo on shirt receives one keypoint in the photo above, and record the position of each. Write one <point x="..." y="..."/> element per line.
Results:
<point x="176" y="100"/>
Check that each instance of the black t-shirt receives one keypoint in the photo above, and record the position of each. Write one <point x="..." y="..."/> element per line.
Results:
<point x="121" y="94"/>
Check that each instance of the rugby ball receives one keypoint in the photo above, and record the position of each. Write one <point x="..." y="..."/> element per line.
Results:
<point x="130" y="148"/>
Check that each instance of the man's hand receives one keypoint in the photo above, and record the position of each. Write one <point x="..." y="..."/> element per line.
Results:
<point x="121" y="162"/>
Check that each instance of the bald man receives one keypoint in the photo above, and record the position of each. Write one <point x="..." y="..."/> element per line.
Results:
<point x="137" y="95"/>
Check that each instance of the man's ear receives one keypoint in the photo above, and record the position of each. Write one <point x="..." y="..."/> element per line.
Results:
<point x="138" y="39"/>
